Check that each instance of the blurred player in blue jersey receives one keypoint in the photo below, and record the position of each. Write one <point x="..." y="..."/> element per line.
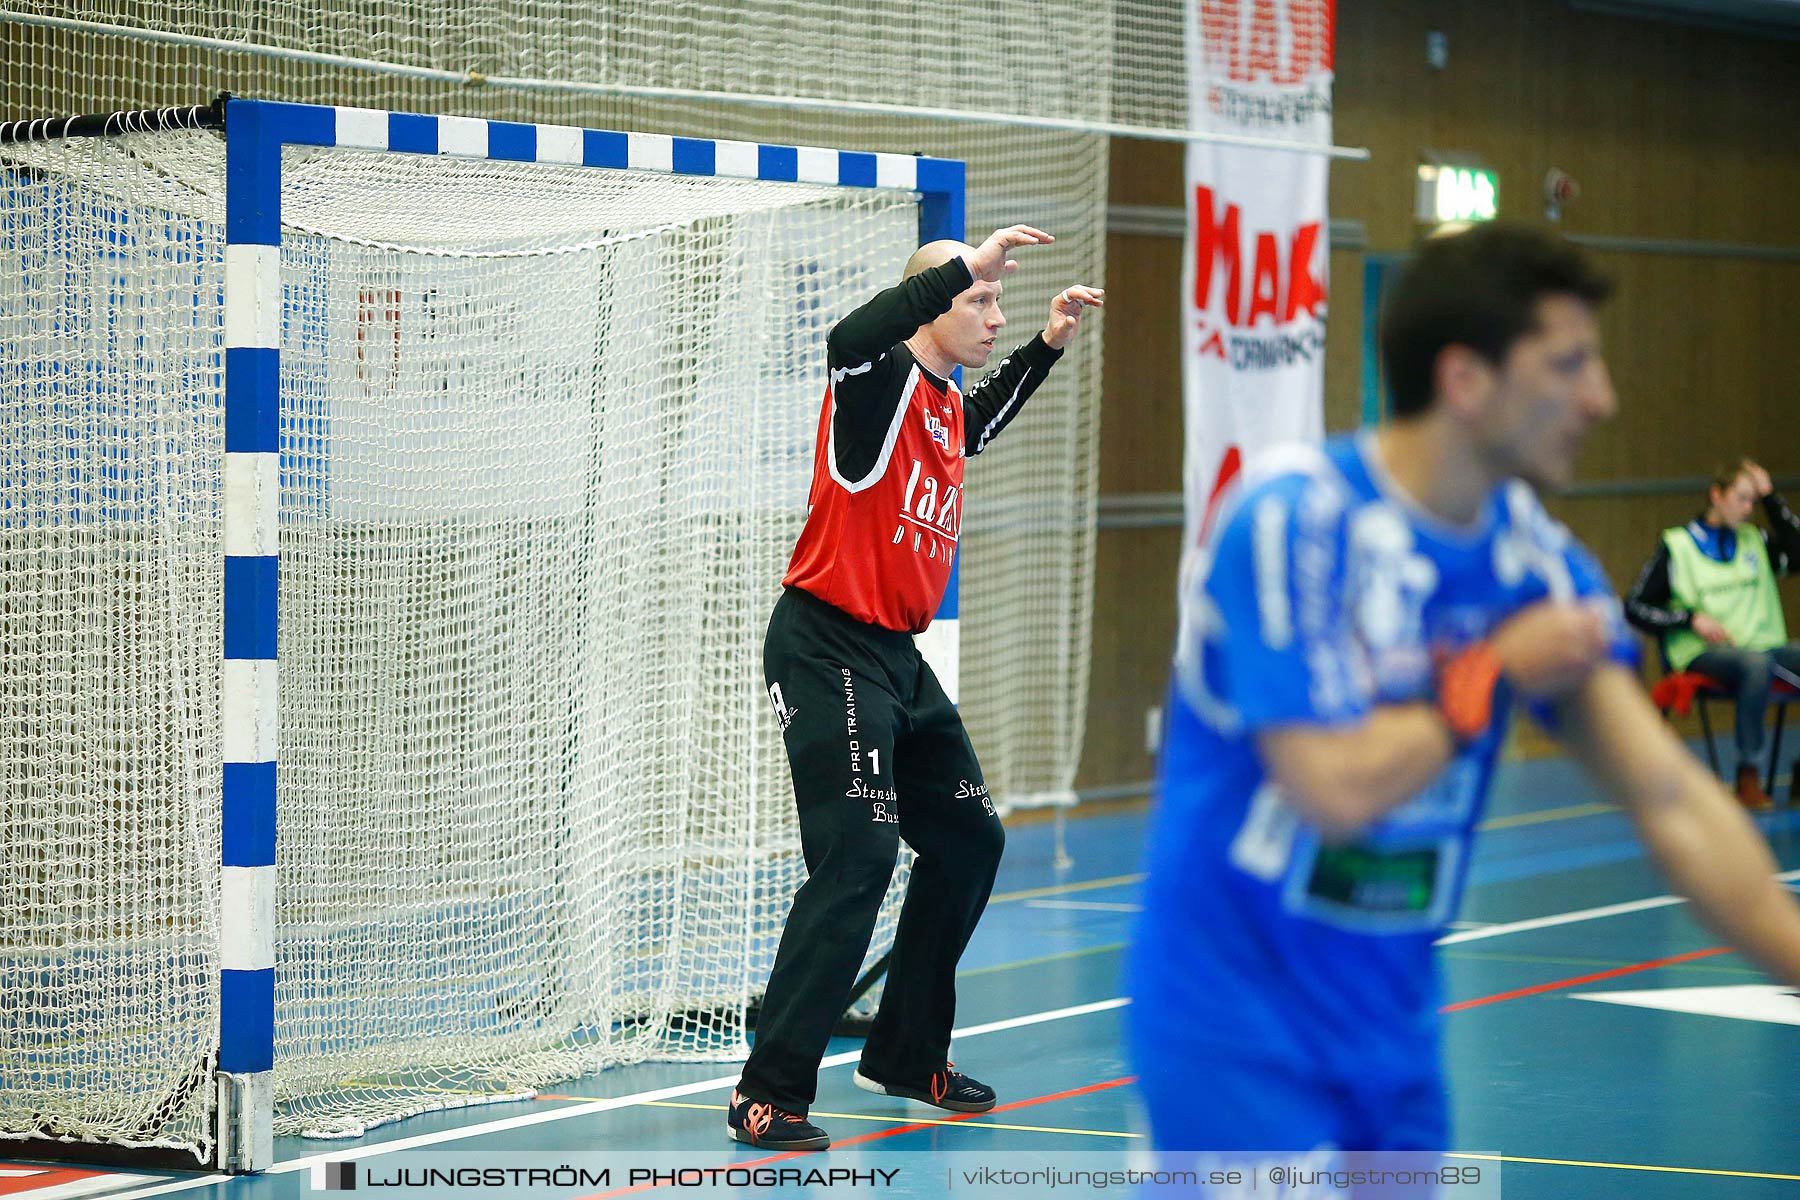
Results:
<point x="1361" y="620"/>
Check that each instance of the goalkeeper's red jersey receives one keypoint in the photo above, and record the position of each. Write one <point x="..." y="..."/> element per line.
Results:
<point x="885" y="510"/>
<point x="879" y="546"/>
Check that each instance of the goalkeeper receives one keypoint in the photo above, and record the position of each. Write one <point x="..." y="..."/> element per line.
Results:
<point x="877" y="750"/>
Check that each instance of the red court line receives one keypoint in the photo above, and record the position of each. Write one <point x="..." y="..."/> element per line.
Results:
<point x="998" y="1108"/>
<point x="42" y="1178"/>
<point x="1580" y="979"/>
<point x="935" y="1122"/>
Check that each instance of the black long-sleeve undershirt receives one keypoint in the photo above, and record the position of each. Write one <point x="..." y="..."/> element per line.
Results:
<point x="869" y="364"/>
<point x="1648" y="604"/>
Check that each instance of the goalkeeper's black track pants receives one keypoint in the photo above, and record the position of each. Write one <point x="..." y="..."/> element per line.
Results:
<point x="878" y="753"/>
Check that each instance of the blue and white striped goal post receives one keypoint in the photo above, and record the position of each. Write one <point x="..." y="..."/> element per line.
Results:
<point x="255" y="132"/>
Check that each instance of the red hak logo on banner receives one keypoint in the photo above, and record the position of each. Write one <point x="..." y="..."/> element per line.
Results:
<point x="1251" y="51"/>
<point x="1280" y="284"/>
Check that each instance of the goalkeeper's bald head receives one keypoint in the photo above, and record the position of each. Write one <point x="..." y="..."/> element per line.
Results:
<point x="935" y="254"/>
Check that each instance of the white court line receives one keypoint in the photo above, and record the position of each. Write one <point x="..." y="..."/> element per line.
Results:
<point x="1079" y="1010"/>
<point x="523" y="1120"/>
<point x="837" y="1060"/>
<point x="1571" y="918"/>
<point x="1086" y="905"/>
<point x="89" y="1185"/>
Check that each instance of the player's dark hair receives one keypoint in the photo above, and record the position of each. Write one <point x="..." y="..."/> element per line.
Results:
<point x="1726" y="477"/>
<point x="1478" y="288"/>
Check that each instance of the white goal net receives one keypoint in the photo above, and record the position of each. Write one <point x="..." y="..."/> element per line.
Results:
<point x="545" y="440"/>
<point x="1026" y="560"/>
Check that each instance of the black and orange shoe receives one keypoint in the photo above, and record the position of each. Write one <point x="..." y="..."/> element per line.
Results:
<point x="948" y="1088"/>
<point x="759" y="1123"/>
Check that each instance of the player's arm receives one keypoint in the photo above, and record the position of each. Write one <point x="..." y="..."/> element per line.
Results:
<point x="1696" y="833"/>
<point x="1784" y="525"/>
<point x="895" y="314"/>
<point x="866" y="378"/>
<point x="1344" y="777"/>
<point x="891" y="316"/>
<point x="991" y="405"/>
<point x="1649" y="606"/>
<point x="1784" y="534"/>
<point x="1269" y="644"/>
<point x="1340" y="779"/>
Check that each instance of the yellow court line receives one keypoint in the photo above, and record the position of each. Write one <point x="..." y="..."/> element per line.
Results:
<point x="1033" y="962"/>
<point x="1572" y="1162"/>
<point x="910" y="1120"/>
<point x="1546" y="815"/>
<point x="1064" y="889"/>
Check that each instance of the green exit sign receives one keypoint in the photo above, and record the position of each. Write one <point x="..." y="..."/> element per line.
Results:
<point x="1448" y="192"/>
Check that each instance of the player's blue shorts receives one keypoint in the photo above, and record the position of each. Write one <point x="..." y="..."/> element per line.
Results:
<point x="1206" y="1095"/>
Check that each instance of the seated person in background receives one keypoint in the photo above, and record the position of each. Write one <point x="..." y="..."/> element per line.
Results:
<point x="1709" y="594"/>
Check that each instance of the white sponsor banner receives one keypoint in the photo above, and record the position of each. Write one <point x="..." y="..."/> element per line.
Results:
<point x="1254" y="275"/>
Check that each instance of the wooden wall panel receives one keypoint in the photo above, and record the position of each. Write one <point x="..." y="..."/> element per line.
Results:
<point x="1343" y="341"/>
<point x="1140" y="415"/>
<point x="1134" y="628"/>
<point x="1703" y="369"/>
<point x="1674" y="133"/>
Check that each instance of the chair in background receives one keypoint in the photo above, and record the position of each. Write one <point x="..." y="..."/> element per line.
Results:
<point x="1681" y="691"/>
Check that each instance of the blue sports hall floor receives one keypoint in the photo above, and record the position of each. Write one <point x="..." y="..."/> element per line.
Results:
<point x="1600" y="1043"/>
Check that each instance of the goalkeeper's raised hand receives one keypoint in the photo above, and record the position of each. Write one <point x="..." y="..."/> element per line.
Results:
<point x="1066" y="310"/>
<point x="988" y="263"/>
